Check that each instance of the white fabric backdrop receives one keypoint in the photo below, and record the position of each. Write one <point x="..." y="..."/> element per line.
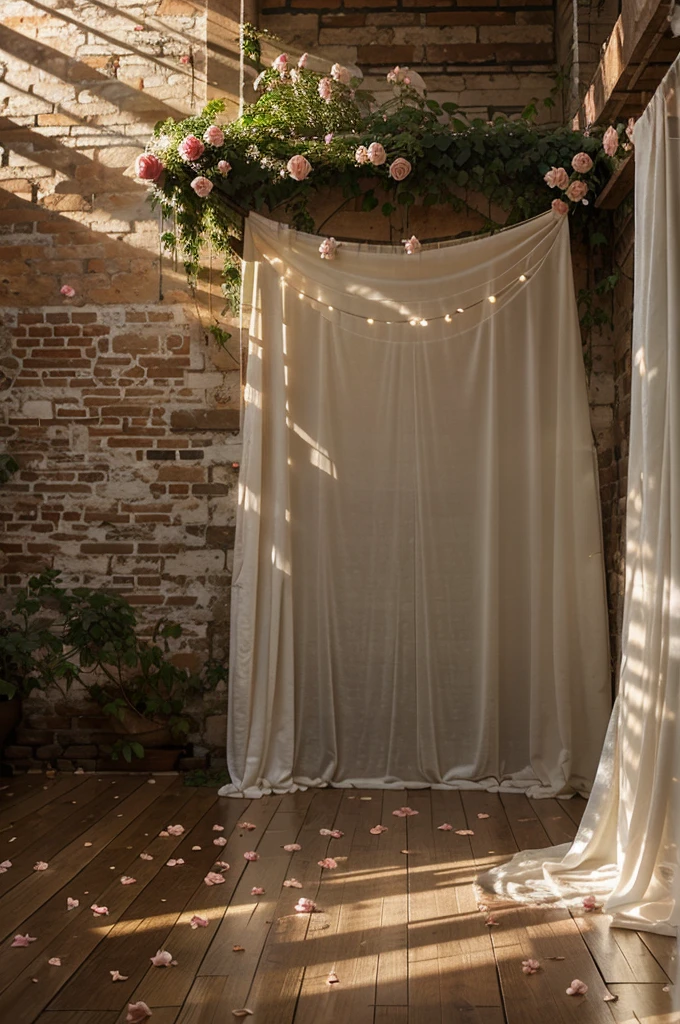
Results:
<point x="418" y="594"/>
<point x="626" y="850"/>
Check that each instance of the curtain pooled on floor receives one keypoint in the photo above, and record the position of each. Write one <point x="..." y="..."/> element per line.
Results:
<point x="626" y="850"/>
<point x="418" y="592"/>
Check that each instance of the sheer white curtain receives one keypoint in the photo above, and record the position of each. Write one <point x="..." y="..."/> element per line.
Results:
<point x="627" y="847"/>
<point x="418" y="594"/>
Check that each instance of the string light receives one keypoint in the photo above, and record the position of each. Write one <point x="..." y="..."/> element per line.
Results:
<point x="522" y="278"/>
<point x="492" y="298"/>
<point x="370" y="321"/>
<point x="300" y="295"/>
<point x="448" y="318"/>
<point x="423" y="323"/>
<point x="460" y="310"/>
<point x="330" y="308"/>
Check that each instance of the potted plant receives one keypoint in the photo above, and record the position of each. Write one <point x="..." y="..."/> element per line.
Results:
<point x="55" y="637"/>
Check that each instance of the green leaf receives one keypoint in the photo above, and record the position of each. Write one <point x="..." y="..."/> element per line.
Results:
<point x="450" y="108"/>
<point x="443" y="142"/>
<point x="433" y="105"/>
<point x="462" y="178"/>
<point x="406" y="198"/>
<point x="388" y="209"/>
<point x="369" y="201"/>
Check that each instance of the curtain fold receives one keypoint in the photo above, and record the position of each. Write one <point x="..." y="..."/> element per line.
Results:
<point x="626" y="850"/>
<point x="418" y="592"/>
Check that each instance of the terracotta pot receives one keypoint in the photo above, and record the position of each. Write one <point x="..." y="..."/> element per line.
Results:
<point x="142" y="730"/>
<point x="10" y="713"/>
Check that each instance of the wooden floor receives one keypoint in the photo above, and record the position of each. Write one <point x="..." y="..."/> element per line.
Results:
<point x="397" y="921"/>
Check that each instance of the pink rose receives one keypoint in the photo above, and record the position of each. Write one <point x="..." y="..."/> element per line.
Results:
<point x="582" y="163"/>
<point x="361" y="155"/>
<point x="190" y="148"/>
<point x="341" y="74"/>
<point x="202" y="186"/>
<point x="281" y="63"/>
<point x="163" y="959"/>
<point x="400" y="169"/>
<point x="326" y="89"/>
<point x="305" y="906"/>
<point x="610" y="141"/>
<point x="298" y="167"/>
<point x="67" y="291"/>
<point x="213" y="135"/>
<point x="224" y="167"/>
<point x="412" y="245"/>
<point x="377" y="154"/>
<point x="393" y="75"/>
<point x="556" y="177"/>
<point x="302" y="63"/>
<point x="148" y="167"/>
<point x="630" y="128"/>
<point x="577" y="988"/>
<point x="560" y="207"/>
<point x="577" y="191"/>
<point x="328" y="249"/>
<point x="137" y="1013"/>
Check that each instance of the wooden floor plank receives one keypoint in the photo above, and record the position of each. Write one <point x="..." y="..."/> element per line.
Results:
<point x="20" y="804"/>
<point x="78" y="1017"/>
<point x="621" y="954"/>
<point x="642" y="1004"/>
<point x="553" y="816"/>
<point x="664" y="950"/>
<point x="575" y="808"/>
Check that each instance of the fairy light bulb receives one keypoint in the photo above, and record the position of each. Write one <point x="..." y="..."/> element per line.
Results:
<point x="330" y="308"/>
<point x="423" y="323"/>
<point x="448" y="318"/>
<point x="413" y="323"/>
<point x="460" y="310"/>
<point x="300" y="295"/>
<point x="370" y="321"/>
<point x="492" y="298"/>
<point x="522" y="278"/>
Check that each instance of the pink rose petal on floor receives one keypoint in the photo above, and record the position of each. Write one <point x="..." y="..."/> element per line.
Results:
<point x="218" y="828"/>
<point x="175" y="830"/>
<point x="491" y="921"/>
<point x="222" y="864"/>
<point x="404" y="812"/>
<point x="127" y="880"/>
<point x="530" y="966"/>
<point x="220" y="841"/>
<point x="464" y="832"/>
<point x="54" y="961"/>
<point x="481" y="815"/>
<point x="195" y="847"/>
<point x="327" y="862"/>
<point x="251" y="855"/>
<point x="23" y="940"/>
<point x="163" y="959"/>
<point x="87" y="844"/>
<point x="589" y="903"/>
<point x="41" y="865"/>
<point x="174" y="863"/>
<point x="245" y="1012"/>
<point x="577" y="988"/>
<point x="198" y="922"/>
<point x="145" y="856"/>
<point x="71" y="904"/>
<point x="99" y="911"/>
<point x="305" y="906"/>
<point x="137" y="1013"/>
<point x="257" y="891"/>
<point x="213" y="878"/>
<point x="334" y="833"/>
<point x="445" y="827"/>
<point x="332" y="979"/>
<point x="163" y="834"/>
<point x="378" y="830"/>
<point x="292" y="847"/>
<point x="5" y="866"/>
<point x="292" y="883"/>
<point x="609" y="997"/>
<point x="117" y="976"/>
<point x="247" y="825"/>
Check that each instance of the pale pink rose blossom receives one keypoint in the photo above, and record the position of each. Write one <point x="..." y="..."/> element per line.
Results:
<point x="582" y="163"/>
<point x="99" y="911"/>
<point x="404" y="812"/>
<point x="72" y="904"/>
<point x="305" y="906"/>
<point x="302" y="63"/>
<point x="281" y="63"/>
<point x="577" y="988"/>
<point x="127" y="880"/>
<point x="328" y="138"/>
<point x="328" y="862"/>
<point x="610" y="141"/>
<point x="445" y="827"/>
<point x="530" y="966"/>
<point x="175" y="830"/>
<point x="117" y="976"/>
<point x="393" y="75"/>
<point x="23" y="940"/>
<point x="328" y="249"/>
<point x="220" y="841"/>
<point x="577" y="191"/>
<point x="292" y="847"/>
<point x="5" y="866"/>
<point x="148" y="167"/>
<point x="257" y="890"/>
<point x="400" y="169"/>
<point x="137" y="1013"/>
<point x="213" y="878"/>
<point x="224" y="167"/>
<point x="41" y="865"/>
<point x="589" y="903"/>
<point x="556" y="177"/>
<point x="163" y="959"/>
<point x="190" y="148"/>
<point x="251" y="855"/>
<point x="202" y="187"/>
<point x="341" y="74"/>
<point x="247" y="825"/>
<point x="292" y="883"/>
<point x="361" y="155"/>
<point x="298" y="167"/>
<point x="378" y="830"/>
<point x="411" y="245"/>
<point x="560" y="207"/>
<point x="54" y="961"/>
<point x="67" y="290"/>
<point x="326" y="89"/>
<point x="213" y="135"/>
<point x="198" y="922"/>
<point x="377" y="154"/>
<point x="630" y="128"/>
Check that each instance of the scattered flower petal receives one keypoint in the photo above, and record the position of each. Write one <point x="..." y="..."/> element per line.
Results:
<point x="137" y="1013"/>
<point x="292" y="883"/>
<point x="163" y="959"/>
<point x="218" y="828"/>
<point x="145" y="856"/>
<point x="257" y="891"/>
<point x="491" y="922"/>
<point x="481" y="815"/>
<point x="404" y="812"/>
<point x="175" y="830"/>
<point x="195" y="847"/>
<point x="213" y="878"/>
<point x="530" y="966"/>
<point x="198" y="922"/>
<point x="411" y="245"/>
<point x="445" y="827"/>
<point x="127" y="880"/>
<point x="71" y="904"/>
<point x="163" y="834"/>
<point x="222" y="864"/>
<point x="42" y="865"/>
<point x="251" y="855"/>
<point x="245" y="1012"/>
<point x="54" y="961"/>
<point x="609" y="997"/>
<point x="334" y="833"/>
<point x="247" y="825"/>
<point x="99" y="911"/>
<point x="328" y="249"/>
<point x="5" y="866"/>
<point x="378" y="830"/>
<point x="23" y="940"/>
<point x="292" y="847"/>
<point x="464" y="832"/>
<point x="239" y="949"/>
<point x="332" y="979"/>
<point x="577" y="988"/>
<point x="117" y="976"/>
<point x="220" y="841"/>
<point x="327" y="862"/>
<point x="174" y="862"/>
<point x="305" y="906"/>
<point x="590" y="903"/>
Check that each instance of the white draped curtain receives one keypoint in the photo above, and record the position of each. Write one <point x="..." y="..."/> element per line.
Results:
<point x="627" y="848"/>
<point x="418" y="590"/>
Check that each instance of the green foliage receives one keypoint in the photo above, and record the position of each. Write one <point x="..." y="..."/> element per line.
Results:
<point x="8" y="467"/>
<point x="54" y="637"/>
